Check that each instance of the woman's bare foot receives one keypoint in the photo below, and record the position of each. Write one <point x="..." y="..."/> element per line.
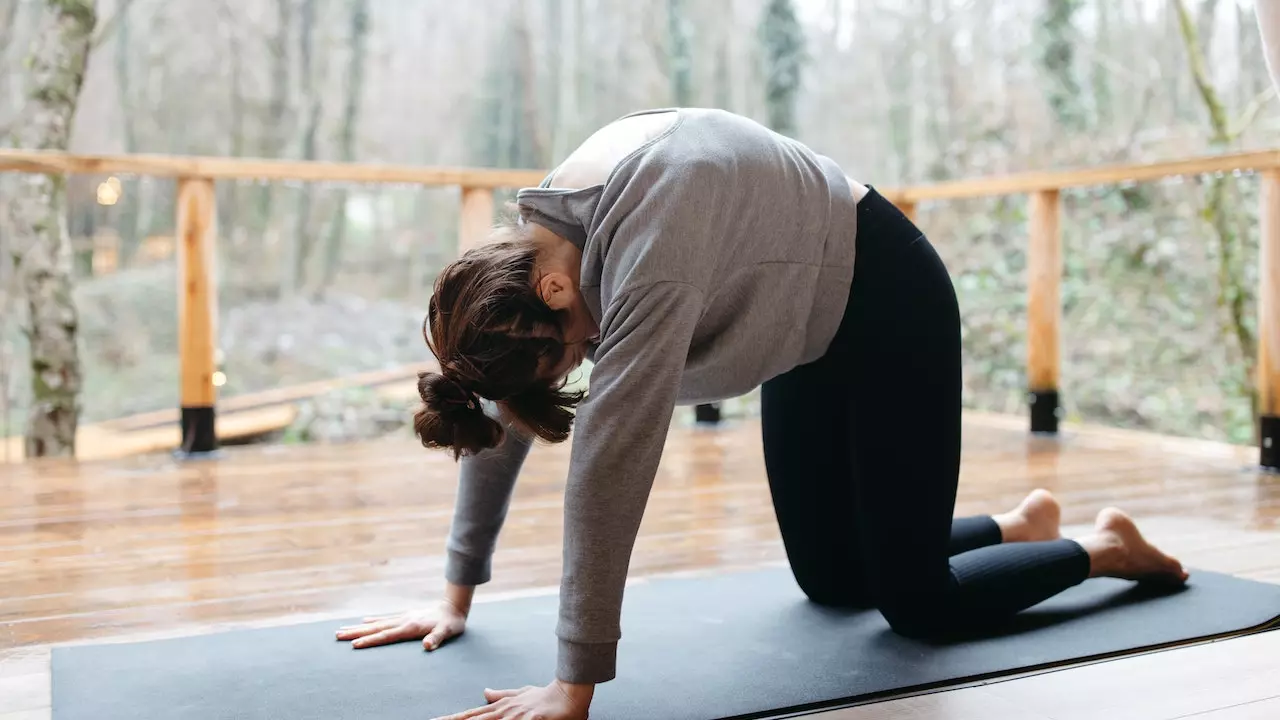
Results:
<point x="1036" y="518"/>
<point x="1117" y="549"/>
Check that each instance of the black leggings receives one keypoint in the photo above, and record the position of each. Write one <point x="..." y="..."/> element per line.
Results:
<point x="862" y="449"/>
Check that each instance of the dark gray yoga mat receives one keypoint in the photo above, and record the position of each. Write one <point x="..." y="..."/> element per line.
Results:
<point x="728" y="646"/>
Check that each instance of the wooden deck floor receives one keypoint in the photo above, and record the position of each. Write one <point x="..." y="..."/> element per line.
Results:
<point x="146" y="548"/>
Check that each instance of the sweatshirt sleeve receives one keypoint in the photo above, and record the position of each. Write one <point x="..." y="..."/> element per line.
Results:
<point x="618" y="439"/>
<point x="485" y="484"/>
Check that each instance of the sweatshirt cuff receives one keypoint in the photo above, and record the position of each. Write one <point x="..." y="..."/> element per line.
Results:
<point x="466" y="570"/>
<point x="586" y="663"/>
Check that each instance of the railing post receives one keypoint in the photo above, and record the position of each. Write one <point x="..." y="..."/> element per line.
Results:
<point x="1269" y="322"/>
<point x="707" y="414"/>
<point x="476" y="218"/>
<point x="197" y="314"/>
<point x="908" y="208"/>
<point x="1044" y="310"/>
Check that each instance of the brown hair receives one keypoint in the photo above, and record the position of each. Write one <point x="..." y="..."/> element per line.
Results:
<point x="494" y="338"/>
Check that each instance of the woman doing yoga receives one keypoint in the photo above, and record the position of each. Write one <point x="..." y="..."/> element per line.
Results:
<point x="694" y="255"/>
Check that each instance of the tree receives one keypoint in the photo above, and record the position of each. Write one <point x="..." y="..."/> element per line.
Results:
<point x="41" y="252"/>
<point x="506" y="132"/>
<point x="7" y="22"/>
<point x="358" y="41"/>
<point x="131" y="193"/>
<point x="679" y="54"/>
<point x="782" y="40"/>
<point x="296" y="275"/>
<point x="276" y="123"/>
<point x="1222" y="200"/>
<point x="1057" y="57"/>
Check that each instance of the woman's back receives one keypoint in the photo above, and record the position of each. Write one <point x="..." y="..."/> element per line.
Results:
<point x="759" y="226"/>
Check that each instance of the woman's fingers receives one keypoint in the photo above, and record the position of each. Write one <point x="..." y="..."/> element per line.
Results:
<point x="355" y="631"/>
<point x="484" y="711"/>
<point x="395" y="634"/>
<point x="438" y="635"/>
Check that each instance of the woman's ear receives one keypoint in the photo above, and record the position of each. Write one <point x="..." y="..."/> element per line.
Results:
<point x="556" y="290"/>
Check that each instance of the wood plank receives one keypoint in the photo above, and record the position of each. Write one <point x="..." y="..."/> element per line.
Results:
<point x="95" y="442"/>
<point x="146" y="548"/>
<point x="1268" y="709"/>
<point x="1197" y="681"/>
<point x="384" y="378"/>
<point x="219" y="168"/>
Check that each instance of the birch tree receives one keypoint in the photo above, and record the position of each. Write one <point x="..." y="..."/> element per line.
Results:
<point x="40" y="250"/>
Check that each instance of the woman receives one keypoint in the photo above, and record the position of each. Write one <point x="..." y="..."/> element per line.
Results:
<point x="694" y="255"/>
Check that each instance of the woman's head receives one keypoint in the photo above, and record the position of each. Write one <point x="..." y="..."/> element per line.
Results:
<point x="506" y="323"/>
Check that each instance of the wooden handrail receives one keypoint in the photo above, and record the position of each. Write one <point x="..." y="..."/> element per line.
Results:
<point x="196" y="213"/>
<point x="1032" y="182"/>
<point x="220" y="168"/>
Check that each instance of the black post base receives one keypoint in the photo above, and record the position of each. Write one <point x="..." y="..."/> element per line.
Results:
<point x="1044" y="411"/>
<point x="708" y="414"/>
<point x="199" y="435"/>
<point x="1269" y="442"/>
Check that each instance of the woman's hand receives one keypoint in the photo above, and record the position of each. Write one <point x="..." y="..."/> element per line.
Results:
<point x="433" y="626"/>
<point x="557" y="701"/>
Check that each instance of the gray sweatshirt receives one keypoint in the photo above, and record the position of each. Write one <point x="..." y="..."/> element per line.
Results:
<point x="716" y="256"/>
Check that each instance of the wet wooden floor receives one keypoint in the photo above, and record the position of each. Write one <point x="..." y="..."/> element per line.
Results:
<point x="139" y="548"/>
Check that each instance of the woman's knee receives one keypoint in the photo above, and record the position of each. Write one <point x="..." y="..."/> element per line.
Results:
<point x="830" y="589"/>
<point x="914" y="623"/>
<point x="921" y="615"/>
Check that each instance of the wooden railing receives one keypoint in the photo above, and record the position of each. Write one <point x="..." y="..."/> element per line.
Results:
<point x="196" y="233"/>
<point x="1044" y="268"/>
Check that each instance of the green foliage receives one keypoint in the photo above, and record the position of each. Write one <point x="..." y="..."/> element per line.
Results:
<point x="81" y="11"/>
<point x="1057" y="35"/>
<point x="1139" y="300"/>
<point x="783" y="45"/>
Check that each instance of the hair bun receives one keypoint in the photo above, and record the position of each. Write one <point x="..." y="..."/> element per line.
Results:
<point x="451" y="417"/>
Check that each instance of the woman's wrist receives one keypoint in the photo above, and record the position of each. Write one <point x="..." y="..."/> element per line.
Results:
<point x="459" y="597"/>
<point x="578" y="695"/>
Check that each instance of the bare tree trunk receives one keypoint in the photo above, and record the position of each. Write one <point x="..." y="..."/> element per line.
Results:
<point x="350" y="119"/>
<point x="6" y="37"/>
<point x="229" y="209"/>
<point x="1101" y="76"/>
<point x="277" y="109"/>
<point x="528" y="84"/>
<point x="297" y="274"/>
<point x="1233" y="290"/>
<point x="41" y="252"/>
<point x="679" y="54"/>
<point x="129" y="213"/>
<point x="567" y="83"/>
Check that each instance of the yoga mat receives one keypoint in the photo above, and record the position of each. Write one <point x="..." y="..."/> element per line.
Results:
<point x="737" y="645"/>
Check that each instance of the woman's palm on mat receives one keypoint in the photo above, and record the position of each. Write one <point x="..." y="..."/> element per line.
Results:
<point x="557" y="701"/>
<point x="434" y="626"/>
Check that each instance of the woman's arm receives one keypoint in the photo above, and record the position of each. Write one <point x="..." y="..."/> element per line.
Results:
<point x="485" y="484"/>
<point x="618" y="440"/>
<point x="485" y="487"/>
